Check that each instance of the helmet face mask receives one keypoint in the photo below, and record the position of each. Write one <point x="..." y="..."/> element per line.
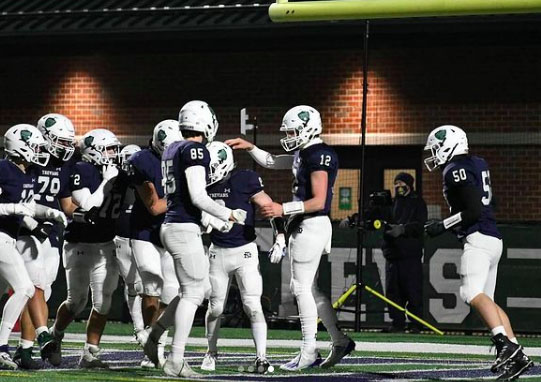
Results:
<point x="125" y="155"/>
<point x="302" y="124"/>
<point x="165" y="133"/>
<point x="59" y="133"/>
<point x="444" y="143"/>
<point x="199" y="116"/>
<point x="221" y="161"/>
<point x="26" y="142"/>
<point x="100" y="147"/>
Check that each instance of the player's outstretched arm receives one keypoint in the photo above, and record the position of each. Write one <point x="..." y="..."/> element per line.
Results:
<point x="148" y="194"/>
<point x="316" y="203"/>
<point x="262" y="157"/>
<point x="197" y="187"/>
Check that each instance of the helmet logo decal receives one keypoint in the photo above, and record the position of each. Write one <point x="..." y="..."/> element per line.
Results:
<point x="304" y="116"/>
<point x="161" y="136"/>
<point x="25" y="135"/>
<point x="88" y="141"/>
<point x="49" y="122"/>
<point x="222" y="156"/>
<point x="441" y="135"/>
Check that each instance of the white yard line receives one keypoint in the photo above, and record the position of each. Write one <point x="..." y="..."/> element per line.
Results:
<point x="394" y="347"/>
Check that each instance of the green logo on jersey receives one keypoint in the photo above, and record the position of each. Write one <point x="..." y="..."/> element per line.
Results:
<point x="49" y="122"/>
<point x="222" y="156"/>
<point x="441" y="135"/>
<point x="88" y="141"/>
<point x="25" y="135"/>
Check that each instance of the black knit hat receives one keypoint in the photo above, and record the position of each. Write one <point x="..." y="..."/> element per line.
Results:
<point x="406" y="178"/>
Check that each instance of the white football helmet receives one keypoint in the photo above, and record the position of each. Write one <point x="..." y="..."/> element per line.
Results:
<point x="198" y="116"/>
<point x="26" y="142"/>
<point x="165" y="133"/>
<point x="301" y="125"/>
<point x="125" y="154"/>
<point x="96" y="146"/>
<point x="59" y="133"/>
<point x="444" y="143"/>
<point x="221" y="161"/>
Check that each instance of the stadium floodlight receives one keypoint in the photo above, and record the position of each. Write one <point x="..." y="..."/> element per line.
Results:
<point x="283" y="11"/>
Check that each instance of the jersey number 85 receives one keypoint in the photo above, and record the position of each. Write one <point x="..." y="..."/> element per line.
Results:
<point x="168" y="178"/>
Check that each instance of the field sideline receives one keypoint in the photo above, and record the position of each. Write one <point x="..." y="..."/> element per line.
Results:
<point x="379" y="357"/>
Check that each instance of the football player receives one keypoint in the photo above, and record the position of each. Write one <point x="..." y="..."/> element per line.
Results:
<point x="41" y="247"/>
<point x="24" y="145"/>
<point x="97" y="188"/>
<point x="234" y="253"/>
<point x="184" y="168"/>
<point x="155" y="265"/>
<point x="468" y="192"/>
<point x="315" y="166"/>
<point x="124" y="254"/>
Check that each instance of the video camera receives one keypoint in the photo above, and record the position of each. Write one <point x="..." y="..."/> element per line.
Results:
<point x="375" y="214"/>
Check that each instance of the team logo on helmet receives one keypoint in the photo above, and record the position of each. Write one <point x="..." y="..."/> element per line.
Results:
<point x="162" y="135"/>
<point x="222" y="156"/>
<point x="304" y="116"/>
<point x="25" y="135"/>
<point x="441" y="135"/>
<point x="49" y="122"/>
<point x="89" y="141"/>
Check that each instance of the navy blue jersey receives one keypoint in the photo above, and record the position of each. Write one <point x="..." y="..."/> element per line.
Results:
<point x="86" y="175"/>
<point x="51" y="183"/>
<point x="145" y="166"/>
<point x="15" y="187"/>
<point x="175" y="160"/>
<point x="470" y="171"/>
<point x="318" y="157"/>
<point x="235" y="192"/>
<point x="123" y="223"/>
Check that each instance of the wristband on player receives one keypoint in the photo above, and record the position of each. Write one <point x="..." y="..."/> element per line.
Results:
<point x="451" y="221"/>
<point x="293" y="208"/>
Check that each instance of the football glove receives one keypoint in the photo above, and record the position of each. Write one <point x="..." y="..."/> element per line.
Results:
<point x="434" y="227"/>
<point x="109" y="172"/>
<point x="395" y="230"/>
<point x="57" y="216"/>
<point x="42" y="231"/>
<point x="83" y="216"/>
<point x="239" y="216"/>
<point x="278" y="250"/>
<point x="211" y="222"/>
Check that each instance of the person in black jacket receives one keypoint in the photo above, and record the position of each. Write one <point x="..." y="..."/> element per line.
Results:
<point x="403" y="250"/>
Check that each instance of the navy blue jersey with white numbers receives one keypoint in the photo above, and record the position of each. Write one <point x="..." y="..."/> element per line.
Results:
<point x="470" y="171"/>
<point x="145" y="166"/>
<point x="15" y="187"/>
<point x="318" y="157"/>
<point x="175" y="160"/>
<point x="86" y="175"/>
<point x="123" y="223"/>
<point x="235" y="192"/>
<point x="51" y="183"/>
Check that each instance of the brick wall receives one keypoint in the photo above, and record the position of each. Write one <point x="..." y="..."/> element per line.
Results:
<point x="412" y="90"/>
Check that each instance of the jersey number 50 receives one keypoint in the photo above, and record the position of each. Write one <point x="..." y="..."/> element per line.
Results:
<point x="168" y="177"/>
<point x="487" y="188"/>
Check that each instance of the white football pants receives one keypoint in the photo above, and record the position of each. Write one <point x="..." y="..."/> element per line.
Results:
<point x="13" y="272"/>
<point x="243" y="263"/>
<point x="479" y="265"/>
<point x="91" y="265"/>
